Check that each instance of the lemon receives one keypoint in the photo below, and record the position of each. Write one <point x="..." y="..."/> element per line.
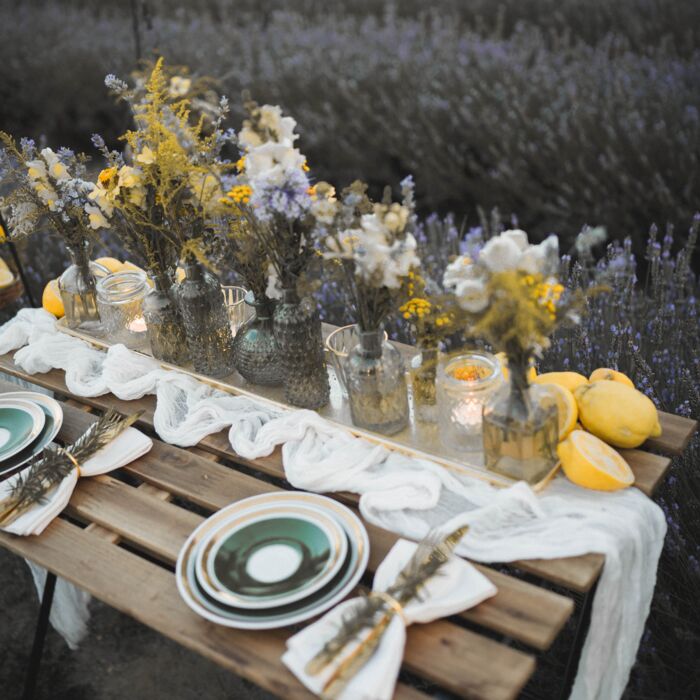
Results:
<point x="6" y="277"/>
<point x="179" y="274"/>
<point x="569" y="380"/>
<point x="589" y="462"/>
<point x="503" y="359"/>
<point x="612" y="375"/>
<point x="567" y="409"/>
<point x="112" y="264"/>
<point x="51" y="299"/>
<point x="617" y="413"/>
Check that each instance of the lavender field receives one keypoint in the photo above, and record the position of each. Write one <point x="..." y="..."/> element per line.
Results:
<point x="559" y="114"/>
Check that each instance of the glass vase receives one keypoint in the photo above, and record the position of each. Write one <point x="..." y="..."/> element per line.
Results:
<point x="164" y="326"/>
<point x="120" y="303"/>
<point x="297" y="330"/>
<point x="423" y="378"/>
<point x="376" y="382"/>
<point x="255" y="353"/>
<point x="78" y="288"/>
<point x="206" y="321"/>
<point x="520" y="428"/>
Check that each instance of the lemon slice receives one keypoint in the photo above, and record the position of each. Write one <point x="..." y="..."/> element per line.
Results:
<point x="567" y="407"/>
<point x="590" y="463"/>
<point x="6" y="278"/>
<point x="51" y="299"/>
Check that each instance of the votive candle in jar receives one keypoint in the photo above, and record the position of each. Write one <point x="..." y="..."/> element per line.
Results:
<point x="120" y="302"/>
<point x="464" y="384"/>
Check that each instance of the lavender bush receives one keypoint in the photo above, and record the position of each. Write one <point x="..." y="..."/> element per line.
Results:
<point x="526" y="109"/>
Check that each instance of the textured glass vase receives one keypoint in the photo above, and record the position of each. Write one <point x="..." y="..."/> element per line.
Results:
<point x="78" y="288"/>
<point x="255" y="353"/>
<point x="297" y="330"/>
<point x="206" y="321"/>
<point x="520" y="429"/>
<point x="423" y="378"/>
<point x="166" y="331"/>
<point x="376" y="382"/>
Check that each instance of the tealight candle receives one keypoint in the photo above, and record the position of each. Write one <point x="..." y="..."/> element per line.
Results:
<point x="138" y="325"/>
<point x="464" y="384"/>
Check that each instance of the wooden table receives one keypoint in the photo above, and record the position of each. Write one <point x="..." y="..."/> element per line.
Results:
<point x="121" y="533"/>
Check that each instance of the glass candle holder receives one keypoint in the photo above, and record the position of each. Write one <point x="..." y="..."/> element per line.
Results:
<point x="464" y="384"/>
<point x="238" y="311"/>
<point x="339" y="343"/>
<point x="120" y="303"/>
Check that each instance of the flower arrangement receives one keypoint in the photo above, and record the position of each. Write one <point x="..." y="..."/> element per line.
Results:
<point x="373" y="249"/>
<point x="162" y="202"/>
<point x="46" y="187"/>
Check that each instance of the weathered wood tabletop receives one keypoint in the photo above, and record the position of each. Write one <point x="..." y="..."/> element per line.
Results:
<point x="121" y="533"/>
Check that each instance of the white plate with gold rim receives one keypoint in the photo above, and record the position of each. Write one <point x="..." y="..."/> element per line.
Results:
<point x="324" y="599"/>
<point x="270" y="558"/>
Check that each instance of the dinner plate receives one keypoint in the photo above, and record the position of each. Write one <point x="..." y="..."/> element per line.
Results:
<point x="52" y="424"/>
<point x="225" y="539"/>
<point x="21" y="422"/>
<point x="335" y="591"/>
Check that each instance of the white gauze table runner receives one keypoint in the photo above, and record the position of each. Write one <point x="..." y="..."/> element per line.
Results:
<point x="399" y="493"/>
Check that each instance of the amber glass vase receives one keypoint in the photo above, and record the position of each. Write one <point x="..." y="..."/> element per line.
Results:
<point x="520" y="428"/>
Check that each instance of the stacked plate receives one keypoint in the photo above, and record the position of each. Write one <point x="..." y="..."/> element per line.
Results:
<point x="272" y="560"/>
<point x="29" y="421"/>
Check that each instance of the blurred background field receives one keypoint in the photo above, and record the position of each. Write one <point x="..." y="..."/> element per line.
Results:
<point x="560" y="113"/>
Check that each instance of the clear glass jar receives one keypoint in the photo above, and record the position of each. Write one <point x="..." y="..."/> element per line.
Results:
<point x="206" y="321"/>
<point x="297" y="330"/>
<point x="238" y="310"/>
<point x="166" y="332"/>
<point x="77" y="286"/>
<point x="423" y="382"/>
<point x="521" y="428"/>
<point x="464" y="384"/>
<point x="376" y="381"/>
<point x="120" y="304"/>
<point x="255" y="353"/>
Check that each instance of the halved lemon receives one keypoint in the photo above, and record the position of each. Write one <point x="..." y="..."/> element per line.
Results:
<point x="591" y="463"/>
<point x="566" y="407"/>
<point x="6" y="277"/>
<point x="51" y="299"/>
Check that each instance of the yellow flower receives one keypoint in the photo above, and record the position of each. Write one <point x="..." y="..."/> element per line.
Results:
<point x="240" y="164"/>
<point x="311" y="191"/>
<point x="305" y="167"/>
<point x="239" y="194"/>
<point x="147" y="156"/>
<point x="3" y="234"/>
<point x="108" y="177"/>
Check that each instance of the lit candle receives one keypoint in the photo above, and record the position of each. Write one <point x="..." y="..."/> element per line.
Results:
<point x="138" y="325"/>
<point x="468" y="413"/>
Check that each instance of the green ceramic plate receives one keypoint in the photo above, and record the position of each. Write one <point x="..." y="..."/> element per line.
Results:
<point x="266" y="560"/>
<point x="20" y="424"/>
<point x="342" y="584"/>
<point x="52" y="424"/>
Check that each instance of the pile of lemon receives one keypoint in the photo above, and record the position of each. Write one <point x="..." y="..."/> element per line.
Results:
<point x="596" y="415"/>
<point x="51" y="297"/>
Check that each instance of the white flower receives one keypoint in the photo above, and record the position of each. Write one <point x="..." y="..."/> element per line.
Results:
<point x="472" y="295"/>
<point x="281" y="127"/>
<point x="541" y="259"/>
<point x="271" y="161"/>
<point x="101" y="197"/>
<point x="96" y="217"/>
<point x="247" y="138"/>
<point x="179" y="86"/>
<point x="56" y="169"/>
<point x="518" y="236"/>
<point x="324" y="209"/>
<point x="500" y="254"/>
<point x="147" y="156"/>
<point x="402" y="257"/>
<point x="129" y="177"/>
<point x="36" y="169"/>
<point x="460" y="269"/>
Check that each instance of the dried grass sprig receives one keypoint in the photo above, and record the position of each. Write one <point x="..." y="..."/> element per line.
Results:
<point x="373" y="612"/>
<point x="32" y="486"/>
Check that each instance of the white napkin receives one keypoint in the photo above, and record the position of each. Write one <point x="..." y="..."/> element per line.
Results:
<point x="457" y="587"/>
<point x="126" y="447"/>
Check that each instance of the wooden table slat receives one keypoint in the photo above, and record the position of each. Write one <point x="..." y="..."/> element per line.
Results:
<point x="147" y="593"/>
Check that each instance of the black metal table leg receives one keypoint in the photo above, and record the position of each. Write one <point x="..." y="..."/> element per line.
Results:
<point x="582" y="626"/>
<point x="39" y="636"/>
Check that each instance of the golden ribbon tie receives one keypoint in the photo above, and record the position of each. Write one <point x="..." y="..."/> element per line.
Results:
<point x="392" y="603"/>
<point x="74" y="460"/>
